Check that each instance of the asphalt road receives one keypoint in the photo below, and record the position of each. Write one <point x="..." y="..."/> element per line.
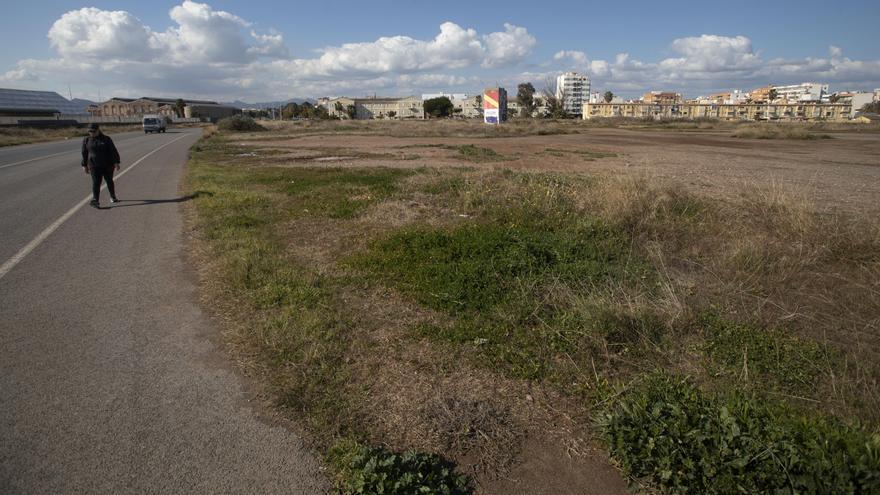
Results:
<point x="111" y="378"/>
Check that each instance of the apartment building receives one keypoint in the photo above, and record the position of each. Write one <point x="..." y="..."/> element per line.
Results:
<point x="858" y="99"/>
<point x="792" y="111"/>
<point x="807" y="91"/>
<point x="760" y="95"/>
<point x="661" y="98"/>
<point x="471" y="107"/>
<point x="409" y="107"/>
<point x="734" y="97"/>
<point x="573" y="89"/>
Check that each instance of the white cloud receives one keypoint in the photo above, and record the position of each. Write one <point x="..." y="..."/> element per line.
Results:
<point x="202" y="35"/>
<point x="578" y="58"/>
<point x="713" y="53"/>
<point x="18" y="75"/>
<point x="712" y="62"/>
<point x="509" y="47"/>
<point x="92" y="33"/>
<point x="215" y="54"/>
<point x="453" y="48"/>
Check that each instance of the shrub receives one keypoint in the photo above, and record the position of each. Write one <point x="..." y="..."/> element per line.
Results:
<point x="239" y="123"/>
<point x="365" y="470"/>
<point x="669" y="432"/>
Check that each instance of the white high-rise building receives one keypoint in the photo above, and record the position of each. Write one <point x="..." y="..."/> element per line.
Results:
<point x="808" y="91"/>
<point x="573" y="89"/>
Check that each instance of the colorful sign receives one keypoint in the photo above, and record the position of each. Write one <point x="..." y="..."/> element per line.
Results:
<point x="490" y="99"/>
<point x="494" y="105"/>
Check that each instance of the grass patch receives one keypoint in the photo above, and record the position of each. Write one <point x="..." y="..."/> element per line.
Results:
<point x="289" y="324"/>
<point x="478" y="154"/>
<point x="764" y="358"/>
<point x="665" y="431"/>
<point x="337" y="192"/>
<point x="494" y="280"/>
<point x="586" y="155"/>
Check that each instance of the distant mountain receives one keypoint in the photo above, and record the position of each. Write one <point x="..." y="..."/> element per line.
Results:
<point x="267" y="104"/>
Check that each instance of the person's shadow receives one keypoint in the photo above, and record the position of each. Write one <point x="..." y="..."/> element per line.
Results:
<point x="141" y="202"/>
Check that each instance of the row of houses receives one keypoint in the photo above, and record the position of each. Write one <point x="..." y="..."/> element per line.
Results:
<point x="798" y="111"/>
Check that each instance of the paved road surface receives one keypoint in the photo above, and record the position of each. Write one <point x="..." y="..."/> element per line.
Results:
<point x="110" y="378"/>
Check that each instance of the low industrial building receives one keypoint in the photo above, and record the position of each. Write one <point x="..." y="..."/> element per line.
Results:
<point x="209" y="112"/>
<point x="137" y="107"/>
<point x="801" y="111"/>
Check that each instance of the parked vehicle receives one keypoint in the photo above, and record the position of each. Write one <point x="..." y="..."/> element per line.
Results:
<point x="154" y="123"/>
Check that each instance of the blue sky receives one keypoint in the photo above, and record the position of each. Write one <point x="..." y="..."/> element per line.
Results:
<point x="268" y="50"/>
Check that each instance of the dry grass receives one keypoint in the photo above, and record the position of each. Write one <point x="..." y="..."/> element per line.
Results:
<point x="360" y="355"/>
<point x="426" y="128"/>
<point x="778" y="131"/>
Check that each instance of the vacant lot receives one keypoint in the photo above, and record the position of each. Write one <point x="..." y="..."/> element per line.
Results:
<point x="556" y="307"/>
<point x="842" y="172"/>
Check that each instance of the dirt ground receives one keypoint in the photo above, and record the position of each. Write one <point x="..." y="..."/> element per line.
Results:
<point x="841" y="173"/>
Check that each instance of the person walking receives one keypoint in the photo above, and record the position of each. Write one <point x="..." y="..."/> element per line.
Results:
<point x="100" y="159"/>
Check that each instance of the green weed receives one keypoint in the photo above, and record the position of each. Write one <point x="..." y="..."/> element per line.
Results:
<point x="365" y="470"/>
<point x="767" y="358"/>
<point x="668" y="432"/>
<point x="496" y="281"/>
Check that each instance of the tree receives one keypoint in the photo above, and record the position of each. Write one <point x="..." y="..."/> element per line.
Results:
<point x="525" y="93"/>
<point x="340" y="109"/>
<point x="179" y="106"/>
<point x="392" y="114"/>
<point x="555" y="106"/>
<point x="772" y="95"/>
<point x="608" y="96"/>
<point x="871" y="107"/>
<point x="351" y="111"/>
<point x="439" y="107"/>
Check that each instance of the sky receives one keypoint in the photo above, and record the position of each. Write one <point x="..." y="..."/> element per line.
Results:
<point x="265" y="51"/>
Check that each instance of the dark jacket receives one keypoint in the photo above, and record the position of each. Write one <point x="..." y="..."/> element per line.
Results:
<point x="99" y="152"/>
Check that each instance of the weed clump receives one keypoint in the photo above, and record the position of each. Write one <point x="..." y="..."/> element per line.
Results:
<point x="364" y="470"/>
<point x="239" y="123"/>
<point x="478" y="154"/>
<point x="668" y="432"/>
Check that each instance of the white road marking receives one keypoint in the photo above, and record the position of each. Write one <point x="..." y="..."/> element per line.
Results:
<point x="16" y="259"/>
<point x="35" y="159"/>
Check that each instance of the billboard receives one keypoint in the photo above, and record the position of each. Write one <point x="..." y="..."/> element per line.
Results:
<point x="494" y="105"/>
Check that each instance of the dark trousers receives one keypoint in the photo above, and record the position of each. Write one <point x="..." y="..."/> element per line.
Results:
<point x="97" y="175"/>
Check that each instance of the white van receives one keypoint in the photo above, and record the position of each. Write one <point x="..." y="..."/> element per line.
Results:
<point x="154" y="123"/>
